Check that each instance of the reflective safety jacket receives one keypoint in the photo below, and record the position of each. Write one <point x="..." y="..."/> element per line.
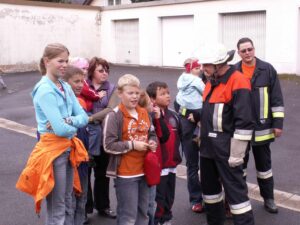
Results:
<point x="226" y="114"/>
<point x="267" y="102"/>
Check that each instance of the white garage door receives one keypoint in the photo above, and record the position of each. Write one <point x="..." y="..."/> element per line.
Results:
<point x="127" y="41"/>
<point x="248" y="24"/>
<point x="177" y="39"/>
<point x="298" y="52"/>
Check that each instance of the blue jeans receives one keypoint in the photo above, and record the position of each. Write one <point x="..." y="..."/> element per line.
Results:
<point x="152" y="205"/>
<point x="133" y="201"/>
<point x="59" y="201"/>
<point x="95" y="139"/>
<point x="80" y="201"/>
<point x="192" y="155"/>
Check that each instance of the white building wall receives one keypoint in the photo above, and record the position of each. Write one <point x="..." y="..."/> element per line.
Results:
<point x="26" y="30"/>
<point x="105" y="2"/>
<point x="282" y="21"/>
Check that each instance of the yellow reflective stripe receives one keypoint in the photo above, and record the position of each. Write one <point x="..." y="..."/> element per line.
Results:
<point x="266" y="103"/>
<point x="242" y="137"/>
<point x="211" y="199"/>
<point x="217" y="117"/>
<point x="265" y="137"/>
<point x="264" y="175"/>
<point x="182" y="111"/>
<point x="220" y="112"/>
<point x="241" y="211"/>
<point x="278" y="114"/>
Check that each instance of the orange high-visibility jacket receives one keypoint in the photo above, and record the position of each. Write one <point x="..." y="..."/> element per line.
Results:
<point x="37" y="178"/>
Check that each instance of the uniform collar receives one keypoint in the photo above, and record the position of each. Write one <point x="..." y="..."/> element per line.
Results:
<point x="260" y="65"/>
<point x="223" y="79"/>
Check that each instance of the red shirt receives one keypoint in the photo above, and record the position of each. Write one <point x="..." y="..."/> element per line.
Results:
<point x="89" y="96"/>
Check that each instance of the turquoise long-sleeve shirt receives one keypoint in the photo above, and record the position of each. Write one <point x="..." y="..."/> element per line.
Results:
<point x="51" y="105"/>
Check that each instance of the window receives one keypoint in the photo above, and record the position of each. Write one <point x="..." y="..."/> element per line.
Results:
<point x="114" y="2"/>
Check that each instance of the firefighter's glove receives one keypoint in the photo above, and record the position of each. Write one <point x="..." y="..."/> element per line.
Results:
<point x="237" y="152"/>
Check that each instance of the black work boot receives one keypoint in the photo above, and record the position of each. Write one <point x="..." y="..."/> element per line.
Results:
<point x="270" y="206"/>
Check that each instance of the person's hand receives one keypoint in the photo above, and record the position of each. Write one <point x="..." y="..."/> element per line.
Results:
<point x="48" y="126"/>
<point x="152" y="145"/>
<point x="277" y="132"/>
<point x="140" y="145"/>
<point x="101" y="94"/>
<point x="156" y="111"/>
<point x="68" y="121"/>
<point x="191" y="117"/>
<point x="91" y="162"/>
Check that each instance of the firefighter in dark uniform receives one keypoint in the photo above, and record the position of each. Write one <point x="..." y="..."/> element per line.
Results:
<point x="268" y="111"/>
<point x="226" y="129"/>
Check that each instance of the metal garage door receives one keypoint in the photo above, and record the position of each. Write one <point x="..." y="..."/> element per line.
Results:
<point x="177" y="39"/>
<point x="248" y="24"/>
<point x="127" y="41"/>
<point x="298" y="52"/>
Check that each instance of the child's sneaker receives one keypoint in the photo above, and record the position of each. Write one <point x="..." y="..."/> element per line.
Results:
<point x="197" y="208"/>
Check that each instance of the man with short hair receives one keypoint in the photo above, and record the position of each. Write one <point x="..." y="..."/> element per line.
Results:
<point x="268" y="110"/>
<point x="226" y="129"/>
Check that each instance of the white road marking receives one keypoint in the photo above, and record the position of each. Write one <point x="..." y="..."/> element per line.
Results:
<point x="283" y="199"/>
<point x="17" y="127"/>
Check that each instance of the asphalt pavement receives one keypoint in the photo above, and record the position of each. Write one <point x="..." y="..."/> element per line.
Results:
<point x="16" y="105"/>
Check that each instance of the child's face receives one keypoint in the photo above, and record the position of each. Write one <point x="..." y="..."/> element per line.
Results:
<point x="57" y="66"/>
<point x="85" y="70"/>
<point x="130" y="96"/>
<point x="163" y="97"/>
<point x="76" y="83"/>
<point x="196" y="71"/>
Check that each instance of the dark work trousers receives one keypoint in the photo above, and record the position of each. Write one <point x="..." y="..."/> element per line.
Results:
<point x="214" y="174"/>
<point x="101" y="184"/>
<point x="89" y="207"/>
<point x="263" y="164"/>
<point x="192" y="155"/>
<point x="165" y="194"/>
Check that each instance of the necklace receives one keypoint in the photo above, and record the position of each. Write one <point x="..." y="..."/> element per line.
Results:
<point x="58" y="84"/>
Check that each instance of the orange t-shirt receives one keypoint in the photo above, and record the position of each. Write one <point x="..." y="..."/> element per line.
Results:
<point x="134" y="129"/>
<point x="82" y="103"/>
<point x="248" y="70"/>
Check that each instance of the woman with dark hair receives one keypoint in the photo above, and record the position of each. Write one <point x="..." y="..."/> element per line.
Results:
<point x="97" y="79"/>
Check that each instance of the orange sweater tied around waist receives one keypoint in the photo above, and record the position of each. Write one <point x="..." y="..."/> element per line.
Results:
<point x="37" y="178"/>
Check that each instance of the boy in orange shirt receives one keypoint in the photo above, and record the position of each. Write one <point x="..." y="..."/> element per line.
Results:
<point x="127" y="135"/>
